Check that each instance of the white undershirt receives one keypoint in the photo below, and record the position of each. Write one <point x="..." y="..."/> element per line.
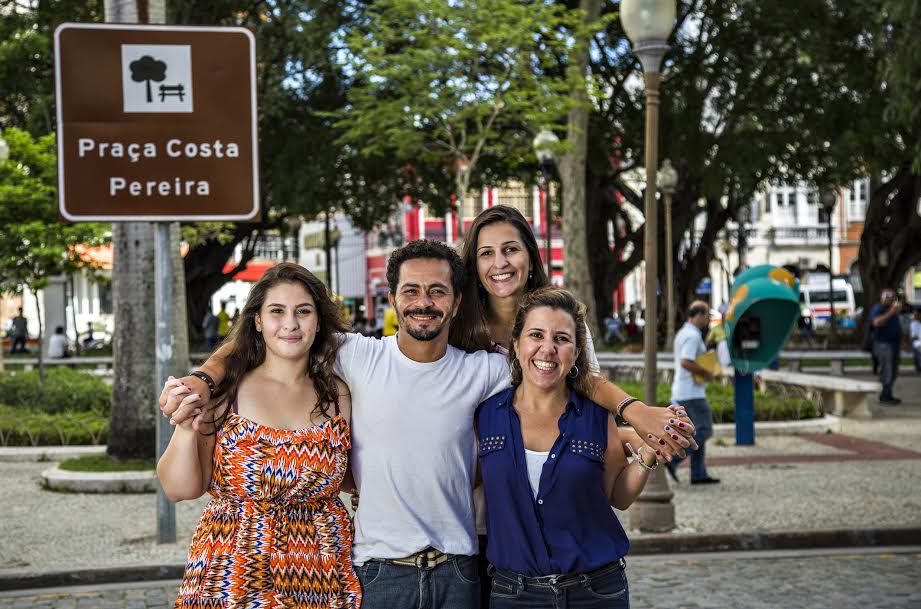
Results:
<point x="535" y="460"/>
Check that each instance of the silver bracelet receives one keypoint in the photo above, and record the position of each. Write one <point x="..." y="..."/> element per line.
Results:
<point x="639" y="459"/>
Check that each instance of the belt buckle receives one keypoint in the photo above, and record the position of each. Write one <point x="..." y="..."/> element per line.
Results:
<point x="421" y="560"/>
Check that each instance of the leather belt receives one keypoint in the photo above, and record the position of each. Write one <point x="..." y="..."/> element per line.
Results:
<point x="428" y="558"/>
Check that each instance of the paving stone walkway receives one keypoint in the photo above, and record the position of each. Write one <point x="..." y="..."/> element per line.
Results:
<point x="767" y="580"/>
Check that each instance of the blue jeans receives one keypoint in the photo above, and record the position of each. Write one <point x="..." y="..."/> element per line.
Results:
<point x="888" y="356"/>
<point x="701" y="416"/>
<point x="604" y="588"/>
<point x="454" y="584"/>
<point x="916" y="353"/>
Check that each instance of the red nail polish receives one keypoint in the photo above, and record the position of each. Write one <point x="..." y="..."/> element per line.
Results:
<point x="658" y="452"/>
<point x="662" y="442"/>
<point x="674" y="437"/>
<point x="680" y="424"/>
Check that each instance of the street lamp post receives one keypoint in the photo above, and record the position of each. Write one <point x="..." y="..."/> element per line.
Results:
<point x="543" y="148"/>
<point x="648" y="24"/>
<point x="4" y="155"/>
<point x="829" y="198"/>
<point x="668" y="181"/>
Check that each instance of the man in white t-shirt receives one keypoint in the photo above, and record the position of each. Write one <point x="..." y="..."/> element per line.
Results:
<point x="687" y="392"/>
<point x="413" y="444"/>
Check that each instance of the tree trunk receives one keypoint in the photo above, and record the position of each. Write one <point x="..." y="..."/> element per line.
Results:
<point x="573" y="176"/>
<point x="890" y="238"/>
<point x="41" y="337"/>
<point x="204" y="270"/>
<point x="180" y="326"/>
<point x="133" y="420"/>
<point x="132" y="426"/>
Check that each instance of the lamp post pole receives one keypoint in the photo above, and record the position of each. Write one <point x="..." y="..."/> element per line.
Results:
<point x="668" y="180"/>
<point x="4" y="155"/>
<point x="829" y="198"/>
<point x="648" y="24"/>
<point x="543" y="148"/>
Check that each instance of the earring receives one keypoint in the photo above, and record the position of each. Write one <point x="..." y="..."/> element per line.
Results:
<point x="530" y="275"/>
<point x="574" y="372"/>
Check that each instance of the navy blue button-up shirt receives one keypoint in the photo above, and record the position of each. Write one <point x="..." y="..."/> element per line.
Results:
<point x="570" y="527"/>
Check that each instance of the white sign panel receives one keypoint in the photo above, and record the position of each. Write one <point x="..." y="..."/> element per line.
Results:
<point x="157" y="77"/>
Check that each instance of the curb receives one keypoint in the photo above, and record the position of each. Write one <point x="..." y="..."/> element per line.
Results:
<point x="57" y="479"/>
<point x="23" y="454"/>
<point x="646" y="544"/>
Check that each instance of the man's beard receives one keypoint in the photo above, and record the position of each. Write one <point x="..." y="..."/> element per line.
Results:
<point x="419" y="334"/>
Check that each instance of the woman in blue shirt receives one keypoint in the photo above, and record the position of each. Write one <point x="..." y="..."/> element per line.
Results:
<point x="549" y="473"/>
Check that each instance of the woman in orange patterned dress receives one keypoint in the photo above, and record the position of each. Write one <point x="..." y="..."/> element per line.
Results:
<point x="272" y="452"/>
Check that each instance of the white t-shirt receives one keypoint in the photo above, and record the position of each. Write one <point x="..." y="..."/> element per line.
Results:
<point x="914" y="330"/>
<point x="57" y="346"/>
<point x="413" y="445"/>
<point x="689" y="343"/>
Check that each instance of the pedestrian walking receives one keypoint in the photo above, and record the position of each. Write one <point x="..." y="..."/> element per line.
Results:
<point x="223" y="321"/>
<point x="552" y="468"/>
<point x="887" y="343"/>
<point x="915" y="332"/>
<point x="691" y="393"/>
<point x="272" y="451"/>
<point x="19" y="332"/>
<point x="209" y="327"/>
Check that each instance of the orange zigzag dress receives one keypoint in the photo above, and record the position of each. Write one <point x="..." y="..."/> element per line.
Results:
<point x="275" y="534"/>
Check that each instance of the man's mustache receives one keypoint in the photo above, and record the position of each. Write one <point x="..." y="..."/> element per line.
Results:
<point x="434" y="312"/>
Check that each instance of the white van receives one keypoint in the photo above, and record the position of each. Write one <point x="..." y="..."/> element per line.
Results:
<point x="815" y="296"/>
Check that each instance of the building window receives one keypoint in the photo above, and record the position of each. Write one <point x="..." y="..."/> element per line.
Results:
<point x="105" y="297"/>
<point x="858" y="196"/>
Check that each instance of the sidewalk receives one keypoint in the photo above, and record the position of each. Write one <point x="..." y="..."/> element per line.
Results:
<point x="864" y="479"/>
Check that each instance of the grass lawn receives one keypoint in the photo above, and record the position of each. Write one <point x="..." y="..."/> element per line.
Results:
<point x="102" y="463"/>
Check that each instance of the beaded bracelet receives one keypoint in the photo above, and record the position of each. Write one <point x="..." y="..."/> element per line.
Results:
<point x="639" y="459"/>
<point x="206" y="378"/>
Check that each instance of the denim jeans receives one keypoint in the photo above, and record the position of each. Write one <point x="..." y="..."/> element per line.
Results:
<point x="701" y="415"/>
<point x="454" y="584"/>
<point x="605" y="588"/>
<point x="888" y="356"/>
<point x="916" y="353"/>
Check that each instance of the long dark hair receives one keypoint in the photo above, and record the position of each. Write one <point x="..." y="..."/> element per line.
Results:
<point x="562" y="300"/>
<point x="248" y="346"/>
<point x="470" y="331"/>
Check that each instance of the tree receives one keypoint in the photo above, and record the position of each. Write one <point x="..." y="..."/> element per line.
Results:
<point x="437" y="82"/>
<point x="741" y="107"/>
<point x="34" y="245"/>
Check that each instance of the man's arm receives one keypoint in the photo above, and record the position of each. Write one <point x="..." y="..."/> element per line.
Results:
<point x="694" y="368"/>
<point x="880" y="320"/>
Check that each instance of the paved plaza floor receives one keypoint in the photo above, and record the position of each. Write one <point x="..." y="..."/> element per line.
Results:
<point x="848" y="579"/>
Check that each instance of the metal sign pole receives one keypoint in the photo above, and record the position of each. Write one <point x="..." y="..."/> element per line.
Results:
<point x="163" y="289"/>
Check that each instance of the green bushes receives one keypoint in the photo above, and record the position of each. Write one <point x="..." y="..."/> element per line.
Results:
<point x="103" y="463"/>
<point x="64" y="390"/>
<point x="23" y="427"/>
<point x="70" y="408"/>
<point x="768" y="407"/>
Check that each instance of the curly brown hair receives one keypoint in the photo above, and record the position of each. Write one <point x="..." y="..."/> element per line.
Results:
<point x="248" y="345"/>
<point x="562" y="300"/>
<point x="470" y="331"/>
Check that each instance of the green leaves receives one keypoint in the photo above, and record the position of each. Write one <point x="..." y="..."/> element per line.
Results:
<point x="438" y="82"/>
<point x="36" y="244"/>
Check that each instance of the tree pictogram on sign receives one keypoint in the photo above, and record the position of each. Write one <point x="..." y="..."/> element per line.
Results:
<point x="148" y="69"/>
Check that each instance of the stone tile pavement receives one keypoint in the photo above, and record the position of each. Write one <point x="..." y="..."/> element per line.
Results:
<point x="849" y="579"/>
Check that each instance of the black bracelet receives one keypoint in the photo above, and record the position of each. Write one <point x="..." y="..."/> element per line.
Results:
<point x="204" y="376"/>
<point x="623" y="406"/>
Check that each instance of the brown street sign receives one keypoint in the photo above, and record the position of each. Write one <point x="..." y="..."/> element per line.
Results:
<point x="156" y="123"/>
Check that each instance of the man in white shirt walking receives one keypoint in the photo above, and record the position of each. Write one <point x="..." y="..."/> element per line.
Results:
<point x="914" y="330"/>
<point x="689" y="393"/>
